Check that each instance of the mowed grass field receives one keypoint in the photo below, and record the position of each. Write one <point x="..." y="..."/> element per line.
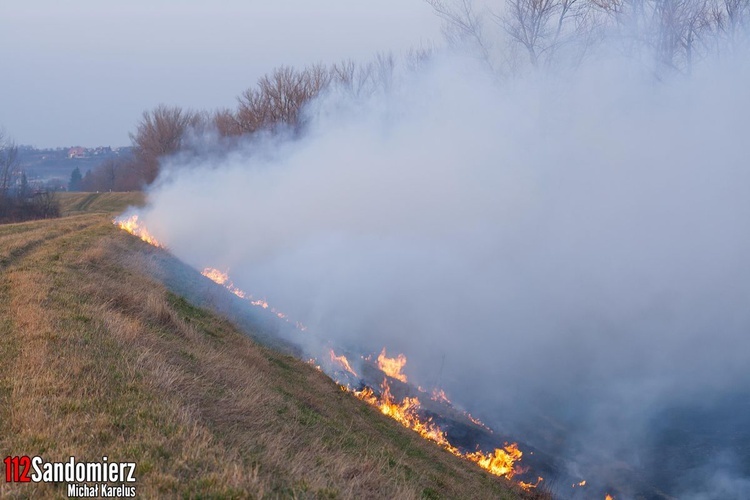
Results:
<point x="98" y="359"/>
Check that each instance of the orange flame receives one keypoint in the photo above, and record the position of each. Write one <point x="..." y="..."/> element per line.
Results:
<point x="528" y="486"/>
<point x="134" y="227"/>
<point x="501" y="462"/>
<point x="439" y="396"/>
<point x="343" y="362"/>
<point x="215" y="275"/>
<point x="609" y="497"/>
<point x="406" y="414"/>
<point x="314" y="364"/>
<point x="478" y="422"/>
<point x="222" y="279"/>
<point x="582" y="483"/>
<point x="392" y="366"/>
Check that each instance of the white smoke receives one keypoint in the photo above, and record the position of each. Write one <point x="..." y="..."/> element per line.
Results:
<point x="573" y="246"/>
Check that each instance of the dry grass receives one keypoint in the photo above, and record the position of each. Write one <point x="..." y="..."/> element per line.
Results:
<point x="76" y="203"/>
<point x="98" y="359"/>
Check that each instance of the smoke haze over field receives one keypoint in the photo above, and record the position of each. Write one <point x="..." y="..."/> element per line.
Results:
<point x="572" y="246"/>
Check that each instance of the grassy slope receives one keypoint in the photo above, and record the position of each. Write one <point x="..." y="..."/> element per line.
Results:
<point x="98" y="359"/>
<point x="76" y="203"/>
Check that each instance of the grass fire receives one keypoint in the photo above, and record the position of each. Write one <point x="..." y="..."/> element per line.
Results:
<point x="503" y="462"/>
<point x="412" y="249"/>
<point x="100" y="334"/>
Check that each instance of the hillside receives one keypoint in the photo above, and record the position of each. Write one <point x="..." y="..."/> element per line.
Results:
<point x="105" y="203"/>
<point x="55" y="165"/>
<point x="98" y="358"/>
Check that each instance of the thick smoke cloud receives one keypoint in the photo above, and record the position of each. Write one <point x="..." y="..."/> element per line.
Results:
<point x="568" y="249"/>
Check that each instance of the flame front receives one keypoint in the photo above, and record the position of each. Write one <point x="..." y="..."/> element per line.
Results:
<point x="406" y="413"/>
<point x="392" y="366"/>
<point x="500" y="462"/>
<point x="133" y="225"/>
<point x="342" y="362"/>
<point x="528" y="486"/>
<point x="222" y="279"/>
<point x="215" y="275"/>
<point x="440" y="396"/>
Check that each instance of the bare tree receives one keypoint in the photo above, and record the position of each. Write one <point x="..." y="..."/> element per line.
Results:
<point x="462" y="24"/>
<point x="44" y="205"/>
<point x="254" y="111"/>
<point x="384" y="70"/>
<point x="160" y="133"/>
<point x="690" y="24"/>
<point x="416" y="59"/>
<point x="226" y="123"/>
<point x="344" y="73"/>
<point x="356" y="80"/>
<point x="542" y="27"/>
<point x="9" y="165"/>
<point x="17" y="201"/>
<point x="118" y="174"/>
<point x="731" y="18"/>
<point x="317" y="79"/>
<point x="278" y="99"/>
<point x="674" y="32"/>
<point x="539" y="27"/>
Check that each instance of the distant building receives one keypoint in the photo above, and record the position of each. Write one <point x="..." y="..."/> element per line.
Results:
<point x="77" y="152"/>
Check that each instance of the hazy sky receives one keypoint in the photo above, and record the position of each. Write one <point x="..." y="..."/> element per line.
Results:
<point x="82" y="72"/>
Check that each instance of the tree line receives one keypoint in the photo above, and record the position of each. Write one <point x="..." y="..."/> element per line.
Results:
<point x="669" y="35"/>
<point x="509" y="36"/>
<point x="18" y="200"/>
<point x="275" y="105"/>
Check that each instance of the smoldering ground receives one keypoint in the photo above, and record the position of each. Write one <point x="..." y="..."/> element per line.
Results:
<point x="567" y="255"/>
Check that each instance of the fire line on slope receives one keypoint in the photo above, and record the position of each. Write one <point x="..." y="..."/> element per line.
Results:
<point x="502" y="462"/>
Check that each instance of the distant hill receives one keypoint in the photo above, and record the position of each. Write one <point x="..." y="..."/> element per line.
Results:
<point x="56" y="164"/>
